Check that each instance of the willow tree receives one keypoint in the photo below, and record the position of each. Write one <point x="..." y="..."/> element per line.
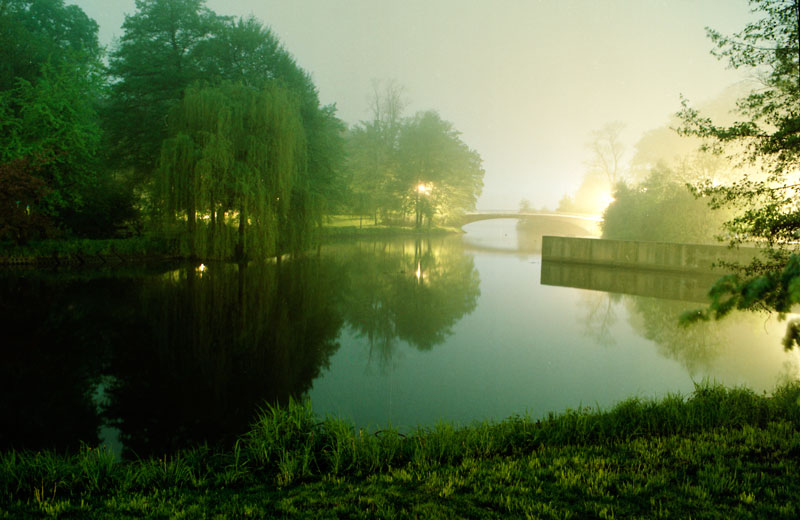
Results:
<point x="229" y="168"/>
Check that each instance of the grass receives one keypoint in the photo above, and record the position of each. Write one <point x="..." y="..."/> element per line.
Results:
<point x="346" y="226"/>
<point x="79" y="248"/>
<point x="720" y="453"/>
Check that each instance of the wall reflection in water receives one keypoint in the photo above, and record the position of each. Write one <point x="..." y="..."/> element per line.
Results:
<point x="742" y="349"/>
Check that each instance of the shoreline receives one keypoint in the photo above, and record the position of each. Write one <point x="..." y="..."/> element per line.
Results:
<point x="717" y="453"/>
<point x="84" y="252"/>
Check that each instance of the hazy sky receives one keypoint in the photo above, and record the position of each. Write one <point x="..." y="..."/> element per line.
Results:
<point x="525" y="81"/>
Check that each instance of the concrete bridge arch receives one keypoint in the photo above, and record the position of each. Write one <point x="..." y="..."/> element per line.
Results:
<point x="569" y="223"/>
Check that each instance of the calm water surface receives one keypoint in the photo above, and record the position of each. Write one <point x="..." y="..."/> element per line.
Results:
<point x="400" y="332"/>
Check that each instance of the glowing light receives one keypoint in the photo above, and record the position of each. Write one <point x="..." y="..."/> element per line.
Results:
<point x="201" y="268"/>
<point x="419" y="271"/>
<point x="606" y="199"/>
<point x="422" y="189"/>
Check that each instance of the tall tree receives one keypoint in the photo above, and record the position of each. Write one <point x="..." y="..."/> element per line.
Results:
<point x="608" y="153"/>
<point x="235" y="152"/>
<point x="769" y="135"/>
<point x="157" y="58"/>
<point x="171" y="44"/>
<point x="33" y="32"/>
<point x="372" y="152"/>
<point x="49" y="88"/>
<point x="246" y="51"/>
<point x="438" y="173"/>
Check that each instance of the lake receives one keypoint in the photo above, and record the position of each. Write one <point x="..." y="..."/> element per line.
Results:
<point x="401" y="332"/>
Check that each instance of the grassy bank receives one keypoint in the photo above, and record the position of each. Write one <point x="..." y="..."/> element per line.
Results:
<point x="345" y="226"/>
<point x="83" y="251"/>
<point x="716" y="454"/>
<point x="78" y="251"/>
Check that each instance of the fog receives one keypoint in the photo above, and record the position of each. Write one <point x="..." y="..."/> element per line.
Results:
<point x="526" y="82"/>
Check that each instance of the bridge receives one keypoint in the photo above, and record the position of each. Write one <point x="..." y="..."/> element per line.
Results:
<point x="590" y="223"/>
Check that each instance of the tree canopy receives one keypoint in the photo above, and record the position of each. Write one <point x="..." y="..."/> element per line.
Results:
<point x="660" y="208"/>
<point x="417" y="165"/>
<point x="179" y="63"/>
<point x="444" y="175"/>
<point x="767" y="135"/>
<point x="233" y="150"/>
<point x="50" y="85"/>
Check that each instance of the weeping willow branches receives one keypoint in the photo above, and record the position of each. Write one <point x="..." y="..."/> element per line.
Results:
<point x="231" y="169"/>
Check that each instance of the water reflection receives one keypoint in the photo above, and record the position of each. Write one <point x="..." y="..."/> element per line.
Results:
<point x="163" y="357"/>
<point x="58" y="336"/>
<point x="167" y="358"/>
<point x="155" y="359"/>
<point x="743" y="349"/>
<point x="218" y="344"/>
<point x="598" y="314"/>
<point x="412" y="291"/>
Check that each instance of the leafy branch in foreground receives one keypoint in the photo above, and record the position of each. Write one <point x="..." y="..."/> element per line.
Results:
<point x="768" y="138"/>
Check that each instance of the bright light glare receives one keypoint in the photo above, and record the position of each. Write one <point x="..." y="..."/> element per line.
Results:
<point x="606" y="199"/>
<point x="422" y="188"/>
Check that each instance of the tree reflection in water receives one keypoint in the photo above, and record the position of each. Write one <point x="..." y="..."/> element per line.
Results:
<point x="58" y="334"/>
<point x="172" y="357"/>
<point x="412" y="291"/>
<point x="222" y="343"/>
<point x="599" y="316"/>
<point x="744" y="348"/>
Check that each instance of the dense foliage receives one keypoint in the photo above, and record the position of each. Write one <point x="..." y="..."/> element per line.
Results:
<point x="203" y="131"/>
<point x="233" y="151"/>
<point x="50" y="87"/>
<point x="410" y="166"/>
<point x="660" y="209"/>
<point x="768" y="136"/>
<point x="250" y="141"/>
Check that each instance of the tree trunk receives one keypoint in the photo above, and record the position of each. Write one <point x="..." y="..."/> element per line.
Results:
<point x="240" y="251"/>
<point x="418" y="221"/>
<point x="191" y="225"/>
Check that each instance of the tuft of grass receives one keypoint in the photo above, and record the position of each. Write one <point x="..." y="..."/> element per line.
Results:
<point x="718" y="452"/>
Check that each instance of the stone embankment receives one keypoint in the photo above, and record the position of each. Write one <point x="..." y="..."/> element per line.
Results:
<point x="661" y="256"/>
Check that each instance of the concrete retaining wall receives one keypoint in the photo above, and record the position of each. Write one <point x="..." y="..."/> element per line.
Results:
<point x="662" y="256"/>
<point x="670" y="285"/>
